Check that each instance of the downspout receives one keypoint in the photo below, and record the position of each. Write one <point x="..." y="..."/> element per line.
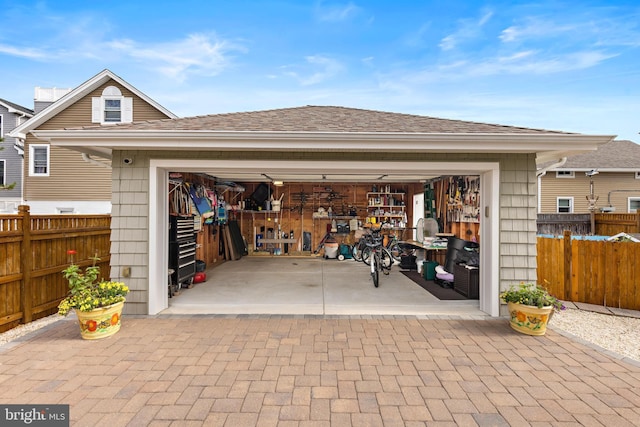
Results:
<point x="88" y="159"/>
<point x="542" y="172"/>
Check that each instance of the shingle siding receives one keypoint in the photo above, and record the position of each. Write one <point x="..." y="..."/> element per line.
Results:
<point x="130" y="228"/>
<point x="518" y="213"/>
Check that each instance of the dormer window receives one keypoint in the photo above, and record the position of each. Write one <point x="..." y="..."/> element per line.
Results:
<point x="112" y="107"/>
<point x="112" y="110"/>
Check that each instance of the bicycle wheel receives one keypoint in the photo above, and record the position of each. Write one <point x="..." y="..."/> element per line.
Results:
<point x="386" y="259"/>
<point x="366" y="255"/>
<point x="356" y="252"/>
<point x="395" y="251"/>
<point x="375" y="270"/>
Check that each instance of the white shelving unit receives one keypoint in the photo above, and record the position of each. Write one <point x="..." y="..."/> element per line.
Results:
<point x="387" y="205"/>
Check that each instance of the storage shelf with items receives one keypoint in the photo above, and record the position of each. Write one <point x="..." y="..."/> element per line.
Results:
<point x="387" y="205"/>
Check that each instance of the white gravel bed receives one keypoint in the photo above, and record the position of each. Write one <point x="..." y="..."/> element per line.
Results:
<point x="618" y="334"/>
<point x="22" y="330"/>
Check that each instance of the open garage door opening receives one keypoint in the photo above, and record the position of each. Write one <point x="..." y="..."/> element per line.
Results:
<point x="278" y="240"/>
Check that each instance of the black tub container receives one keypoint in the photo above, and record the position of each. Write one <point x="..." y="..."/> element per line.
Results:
<point x="456" y="252"/>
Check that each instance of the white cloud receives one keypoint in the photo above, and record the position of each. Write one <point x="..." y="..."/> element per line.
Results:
<point x="537" y="28"/>
<point x="196" y="54"/>
<point x="593" y="28"/>
<point x="29" y="53"/>
<point x="337" y="12"/>
<point x="317" y="69"/>
<point x="468" y="29"/>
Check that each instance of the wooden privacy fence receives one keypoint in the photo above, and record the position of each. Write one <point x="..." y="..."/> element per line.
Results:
<point x="33" y="253"/>
<point x="610" y="224"/>
<point x="606" y="224"/>
<point x="591" y="271"/>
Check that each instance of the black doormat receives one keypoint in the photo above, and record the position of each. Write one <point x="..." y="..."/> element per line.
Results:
<point x="433" y="288"/>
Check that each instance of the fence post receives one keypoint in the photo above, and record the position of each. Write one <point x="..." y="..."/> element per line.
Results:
<point x="26" y="299"/>
<point x="637" y="221"/>
<point x="567" y="265"/>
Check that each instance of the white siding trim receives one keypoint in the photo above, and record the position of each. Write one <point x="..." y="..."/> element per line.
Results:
<point x="96" y="109"/>
<point x="98" y="106"/>
<point x="158" y="211"/>
<point x="569" y="198"/>
<point x="32" y="148"/>
<point x="127" y="110"/>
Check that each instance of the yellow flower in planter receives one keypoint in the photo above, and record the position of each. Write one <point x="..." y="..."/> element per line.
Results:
<point x="87" y="291"/>
<point x="531" y="294"/>
<point x="530" y="307"/>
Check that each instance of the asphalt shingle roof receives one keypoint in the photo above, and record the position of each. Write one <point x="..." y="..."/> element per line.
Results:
<point x="617" y="154"/>
<point x="16" y="106"/>
<point x="327" y="119"/>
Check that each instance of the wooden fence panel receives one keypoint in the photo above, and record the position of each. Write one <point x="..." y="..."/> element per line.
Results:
<point x="600" y="263"/>
<point x="556" y="223"/>
<point x="610" y="224"/>
<point x="550" y="266"/>
<point x="35" y="250"/>
<point x="627" y="284"/>
<point x="601" y="272"/>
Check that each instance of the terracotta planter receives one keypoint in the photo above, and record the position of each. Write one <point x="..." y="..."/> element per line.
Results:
<point x="100" y="322"/>
<point x="529" y="319"/>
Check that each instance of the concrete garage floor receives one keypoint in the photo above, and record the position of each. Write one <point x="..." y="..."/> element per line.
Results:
<point x="310" y="285"/>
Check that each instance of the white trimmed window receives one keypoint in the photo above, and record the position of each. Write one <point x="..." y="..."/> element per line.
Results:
<point x="1" y="127"/>
<point x="633" y="204"/>
<point x="39" y="160"/>
<point x="3" y="177"/>
<point x="565" y="174"/>
<point x="637" y="175"/>
<point x="564" y="204"/>
<point x="111" y="107"/>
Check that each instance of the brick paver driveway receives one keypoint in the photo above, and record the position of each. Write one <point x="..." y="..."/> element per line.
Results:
<point x="319" y="371"/>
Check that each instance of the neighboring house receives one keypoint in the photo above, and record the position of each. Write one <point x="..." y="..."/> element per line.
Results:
<point x="564" y="186"/>
<point x="59" y="180"/>
<point x="310" y="144"/>
<point x="11" y="116"/>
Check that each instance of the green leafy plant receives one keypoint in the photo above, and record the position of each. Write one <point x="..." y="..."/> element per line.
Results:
<point x="87" y="290"/>
<point x="531" y="294"/>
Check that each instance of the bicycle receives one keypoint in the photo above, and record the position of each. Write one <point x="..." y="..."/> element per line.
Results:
<point x="394" y="247"/>
<point x="376" y="255"/>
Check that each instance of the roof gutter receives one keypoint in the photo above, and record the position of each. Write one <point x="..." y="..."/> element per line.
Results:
<point x="542" y="172"/>
<point x="89" y="159"/>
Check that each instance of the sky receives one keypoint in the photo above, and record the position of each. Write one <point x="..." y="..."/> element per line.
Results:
<point x="550" y="64"/>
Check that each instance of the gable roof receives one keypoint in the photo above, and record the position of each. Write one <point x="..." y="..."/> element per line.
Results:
<point x="322" y="128"/>
<point x="614" y="155"/>
<point x="78" y="93"/>
<point x="326" y="119"/>
<point x="15" y="108"/>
